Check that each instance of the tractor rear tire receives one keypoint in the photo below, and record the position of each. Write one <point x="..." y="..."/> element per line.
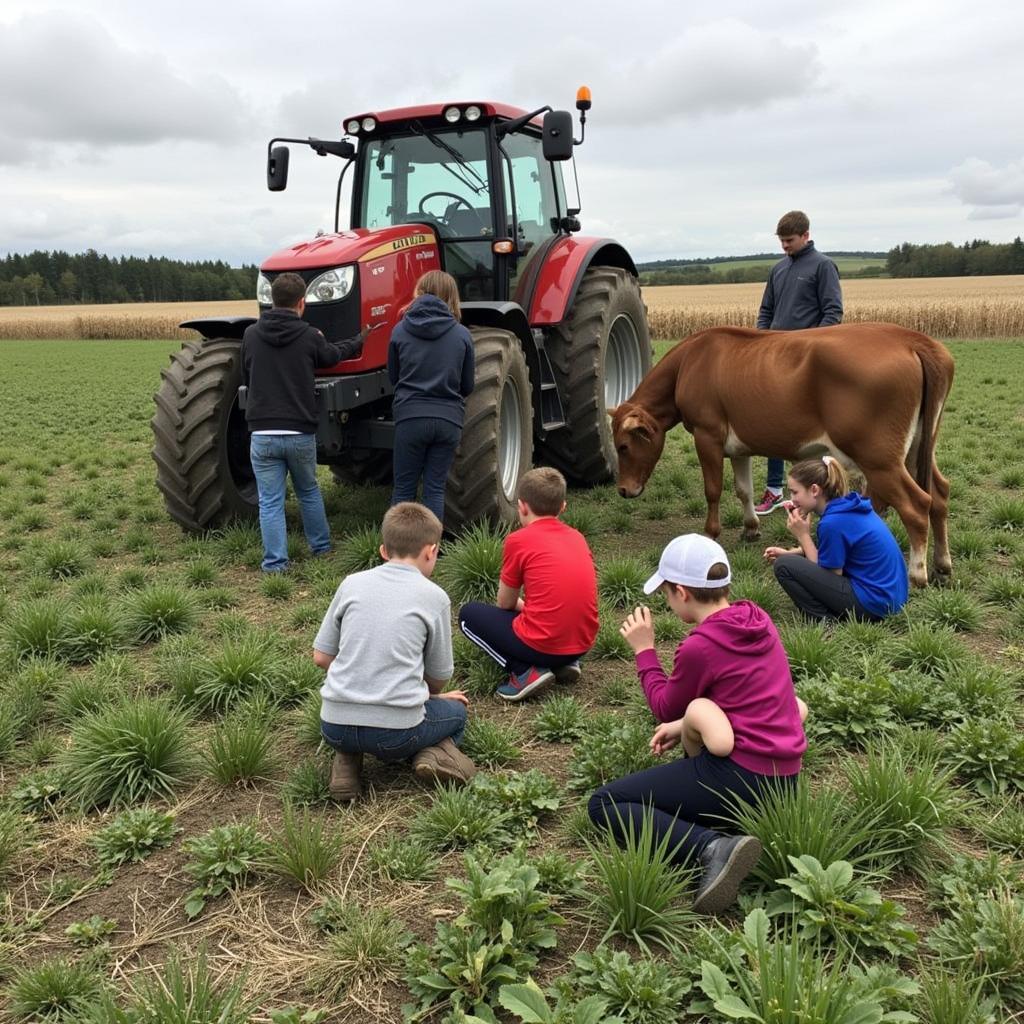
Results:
<point x="599" y="355"/>
<point x="497" y="437"/>
<point x="201" y="442"/>
<point x="364" y="467"/>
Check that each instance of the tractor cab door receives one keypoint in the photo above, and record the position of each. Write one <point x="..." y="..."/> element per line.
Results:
<point x="438" y="178"/>
<point x="536" y="193"/>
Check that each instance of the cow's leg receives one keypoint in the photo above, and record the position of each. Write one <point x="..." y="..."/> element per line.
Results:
<point x="896" y="487"/>
<point x="710" y="453"/>
<point x="938" y="515"/>
<point x="743" y="477"/>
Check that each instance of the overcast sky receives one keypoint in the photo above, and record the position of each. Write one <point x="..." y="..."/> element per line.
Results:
<point x="135" y="128"/>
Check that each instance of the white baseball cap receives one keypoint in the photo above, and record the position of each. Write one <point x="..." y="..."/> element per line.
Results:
<point x="687" y="560"/>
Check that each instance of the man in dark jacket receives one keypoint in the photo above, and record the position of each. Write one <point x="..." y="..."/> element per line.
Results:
<point x="279" y="354"/>
<point x="802" y="291"/>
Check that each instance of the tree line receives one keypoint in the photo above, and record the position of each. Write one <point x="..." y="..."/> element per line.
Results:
<point x="59" y="278"/>
<point x="975" y="258"/>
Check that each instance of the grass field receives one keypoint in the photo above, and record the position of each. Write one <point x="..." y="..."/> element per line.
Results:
<point x="846" y="264"/>
<point x="165" y="838"/>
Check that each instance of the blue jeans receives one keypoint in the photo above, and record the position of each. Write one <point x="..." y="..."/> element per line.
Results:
<point x="424" y="447"/>
<point x="274" y="456"/>
<point x="442" y="718"/>
<point x="776" y="472"/>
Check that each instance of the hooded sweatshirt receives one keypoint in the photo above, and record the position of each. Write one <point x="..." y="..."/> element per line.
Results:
<point x="736" y="659"/>
<point x="279" y="354"/>
<point x="854" y="538"/>
<point x="802" y="291"/>
<point x="430" y="363"/>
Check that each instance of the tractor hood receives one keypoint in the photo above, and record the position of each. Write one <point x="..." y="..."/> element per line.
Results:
<point x="359" y="245"/>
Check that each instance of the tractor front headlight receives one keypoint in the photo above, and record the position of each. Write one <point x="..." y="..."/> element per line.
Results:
<point x="331" y="285"/>
<point x="263" y="296"/>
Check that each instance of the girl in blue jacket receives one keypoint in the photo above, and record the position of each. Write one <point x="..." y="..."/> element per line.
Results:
<point x="856" y="568"/>
<point x="431" y="367"/>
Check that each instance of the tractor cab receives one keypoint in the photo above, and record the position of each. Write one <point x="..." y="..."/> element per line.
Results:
<point x="488" y="192"/>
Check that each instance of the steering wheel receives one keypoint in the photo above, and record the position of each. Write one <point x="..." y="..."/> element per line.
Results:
<point x="458" y="201"/>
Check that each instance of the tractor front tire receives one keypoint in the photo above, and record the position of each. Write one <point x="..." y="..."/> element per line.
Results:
<point x="599" y="355"/>
<point x="201" y="442"/>
<point x="497" y="437"/>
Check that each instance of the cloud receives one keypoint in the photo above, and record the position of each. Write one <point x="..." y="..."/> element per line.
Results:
<point x="66" y="79"/>
<point x="996" y="193"/>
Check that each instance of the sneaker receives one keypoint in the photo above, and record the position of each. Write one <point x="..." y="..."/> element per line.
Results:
<point x="443" y="762"/>
<point x="533" y="680"/>
<point x="769" y="503"/>
<point x="726" y="861"/>
<point x="570" y="673"/>
<point x="345" y="785"/>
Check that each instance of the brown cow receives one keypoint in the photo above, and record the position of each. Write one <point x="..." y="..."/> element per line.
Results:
<point x="869" y="393"/>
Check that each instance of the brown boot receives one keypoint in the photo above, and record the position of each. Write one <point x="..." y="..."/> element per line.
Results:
<point x="443" y="763"/>
<point x="345" y="785"/>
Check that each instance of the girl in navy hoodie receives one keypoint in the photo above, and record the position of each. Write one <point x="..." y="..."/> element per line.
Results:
<point x="431" y="367"/>
<point x="856" y="568"/>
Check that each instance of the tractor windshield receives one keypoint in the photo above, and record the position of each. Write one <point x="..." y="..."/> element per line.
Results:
<point x="437" y="178"/>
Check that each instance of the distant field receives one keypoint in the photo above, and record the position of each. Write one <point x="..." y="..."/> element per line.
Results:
<point x="946" y="307"/>
<point x="846" y="264"/>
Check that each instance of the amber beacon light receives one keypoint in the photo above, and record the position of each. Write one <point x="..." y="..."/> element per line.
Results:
<point x="583" y="98"/>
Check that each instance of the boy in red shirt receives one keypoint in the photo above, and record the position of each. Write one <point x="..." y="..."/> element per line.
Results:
<point x="541" y="634"/>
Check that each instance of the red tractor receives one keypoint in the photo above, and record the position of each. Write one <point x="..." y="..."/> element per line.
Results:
<point x="558" y="325"/>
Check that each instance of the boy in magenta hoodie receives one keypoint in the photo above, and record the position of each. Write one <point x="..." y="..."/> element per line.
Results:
<point x="729" y="700"/>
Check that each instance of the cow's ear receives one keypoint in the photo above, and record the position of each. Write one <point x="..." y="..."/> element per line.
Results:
<point x="643" y="433"/>
<point x="613" y="411"/>
<point x="631" y="422"/>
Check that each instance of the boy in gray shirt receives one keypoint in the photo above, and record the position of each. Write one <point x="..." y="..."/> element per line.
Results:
<point x="386" y="643"/>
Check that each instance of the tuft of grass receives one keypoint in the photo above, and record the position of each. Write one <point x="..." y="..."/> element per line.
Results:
<point x="95" y="628"/>
<point x="476" y="672"/>
<point x="128" y="752"/>
<point x="809" y="650"/>
<point x="957" y="998"/>
<point x="559" y="720"/>
<point x="62" y="560"/>
<point x="609" y="643"/>
<point x="200" y="572"/>
<point x="471" y="566"/>
<point x="276" y="587"/>
<point x="403" y="859"/>
<point x="1005" y="829"/>
<point x="307" y="782"/>
<point x="458" y="819"/>
<point x="360" y="550"/>
<point x="303" y="848"/>
<point x="621" y="582"/>
<point x="365" y="944"/>
<point x="241" y="750"/>
<point x="930" y="649"/>
<point x="491" y="743"/>
<point x="948" y="608"/>
<point x="909" y="800"/>
<point x="245" y="666"/>
<point x="1006" y="514"/>
<point x="37" y="628"/>
<point x="158" y="610"/>
<point x="641" y="891"/>
<point x="56" y="989"/>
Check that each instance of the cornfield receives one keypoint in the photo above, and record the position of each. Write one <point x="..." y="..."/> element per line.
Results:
<point x="155" y="320"/>
<point x="948" y="307"/>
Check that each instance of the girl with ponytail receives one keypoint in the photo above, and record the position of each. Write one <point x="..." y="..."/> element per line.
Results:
<point x="856" y="567"/>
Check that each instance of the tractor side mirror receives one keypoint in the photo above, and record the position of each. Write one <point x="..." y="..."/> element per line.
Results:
<point x="557" y="138"/>
<point x="277" y="169"/>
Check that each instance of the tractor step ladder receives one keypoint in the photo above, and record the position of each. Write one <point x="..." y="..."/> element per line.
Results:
<point x="552" y="415"/>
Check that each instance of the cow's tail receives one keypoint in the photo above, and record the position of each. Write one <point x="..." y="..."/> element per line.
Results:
<point x="937" y="378"/>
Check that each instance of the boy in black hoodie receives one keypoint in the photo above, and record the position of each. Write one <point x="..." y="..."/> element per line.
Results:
<point x="431" y="366"/>
<point x="279" y="354"/>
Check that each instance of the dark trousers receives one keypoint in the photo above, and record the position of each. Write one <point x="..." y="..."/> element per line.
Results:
<point x="689" y="800"/>
<point x="424" y="447"/>
<point x="490" y="628"/>
<point x="819" y="593"/>
<point x="776" y="472"/>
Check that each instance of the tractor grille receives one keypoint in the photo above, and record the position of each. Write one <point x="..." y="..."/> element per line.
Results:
<point x="338" y="320"/>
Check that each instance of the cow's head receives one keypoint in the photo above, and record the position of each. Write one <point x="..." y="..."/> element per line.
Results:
<point x="639" y="440"/>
